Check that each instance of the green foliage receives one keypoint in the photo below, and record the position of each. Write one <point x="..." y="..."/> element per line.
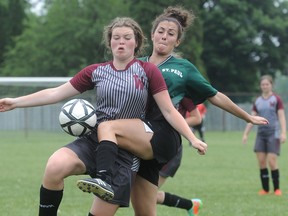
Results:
<point x="61" y="42"/>
<point x="12" y="14"/>
<point x="243" y="40"/>
<point x="280" y="87"/>
<point x="231" y="42"/>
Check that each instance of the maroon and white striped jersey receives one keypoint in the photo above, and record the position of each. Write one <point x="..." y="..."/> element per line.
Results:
<point x="120" y="93"/>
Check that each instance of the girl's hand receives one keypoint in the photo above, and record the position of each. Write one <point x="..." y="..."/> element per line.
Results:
<point x="6" y="104"/>
<point x="244" y="139"/>
<point x="258" y="120"/>
<point x="283" y="137"/>
<point x="200" y="146"/>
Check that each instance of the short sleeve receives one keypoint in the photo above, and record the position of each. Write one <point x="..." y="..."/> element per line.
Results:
<point x="198" y="88"/>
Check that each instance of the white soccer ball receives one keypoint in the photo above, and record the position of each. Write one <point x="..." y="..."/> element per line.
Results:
<point x="77" y="117"/>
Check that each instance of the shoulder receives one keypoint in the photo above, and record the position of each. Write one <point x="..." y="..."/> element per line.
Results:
<point x="184" y="65"/>
<point x="187" y="67"/>
<point x="83" y="79"/>
<point x="92" y="67"/>
<point x="277" y="97"/>
<point x="88" y="70"/>
<point x="183" y="61"/>
<point x="280" y="104"/>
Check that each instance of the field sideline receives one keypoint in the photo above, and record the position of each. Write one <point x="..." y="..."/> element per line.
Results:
<point x="226" y="179"/>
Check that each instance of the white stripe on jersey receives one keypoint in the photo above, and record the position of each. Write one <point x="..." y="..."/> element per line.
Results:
<point x="126" y="92"/>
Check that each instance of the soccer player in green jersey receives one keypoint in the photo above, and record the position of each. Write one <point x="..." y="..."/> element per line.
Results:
<point x="183" y="80"/>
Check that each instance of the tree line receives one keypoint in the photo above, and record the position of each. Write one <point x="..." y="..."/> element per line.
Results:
<point x="231" y="42"/>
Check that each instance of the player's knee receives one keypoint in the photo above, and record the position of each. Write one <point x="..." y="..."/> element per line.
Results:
<point x="106" y="127"/>
<point x="63" y="163"/>
<point x="54" y="167"/>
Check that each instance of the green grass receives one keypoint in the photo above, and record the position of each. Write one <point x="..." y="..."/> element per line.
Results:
<point x="226" y="179"/>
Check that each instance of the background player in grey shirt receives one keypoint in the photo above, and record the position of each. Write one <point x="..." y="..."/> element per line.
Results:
<point x="269" y="137"/>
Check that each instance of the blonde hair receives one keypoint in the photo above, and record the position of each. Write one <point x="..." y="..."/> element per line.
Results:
<point x="125" y="22"/>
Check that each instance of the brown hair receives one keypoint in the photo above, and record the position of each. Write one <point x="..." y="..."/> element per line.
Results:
<point x="180" y="16"/>
<point x="266" y="77"/>
<point x="125" y="22"/>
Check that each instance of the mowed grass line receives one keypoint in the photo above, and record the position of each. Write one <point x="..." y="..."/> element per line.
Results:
<point x="226" y="179"/>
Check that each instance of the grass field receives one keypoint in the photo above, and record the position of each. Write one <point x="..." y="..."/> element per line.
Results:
<point x="226" y="179"/>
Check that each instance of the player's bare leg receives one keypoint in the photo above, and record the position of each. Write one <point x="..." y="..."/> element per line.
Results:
<point x="64" y="162"/>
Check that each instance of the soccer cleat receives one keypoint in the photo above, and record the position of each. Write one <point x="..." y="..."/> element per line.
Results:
<point x="197" y="204"/>
<point x="278" y="192"/>
<point x="97" y="186"/>
<point x="263" y="192"/>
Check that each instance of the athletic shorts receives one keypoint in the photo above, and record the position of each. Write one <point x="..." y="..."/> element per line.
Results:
<point x="85" y="148"/>
<point x="170" y="168"/>
<point x="267" y="143"/>
<point x="165" y="143"/>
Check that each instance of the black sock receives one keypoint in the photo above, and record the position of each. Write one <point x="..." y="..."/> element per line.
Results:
<point x="275" y="178"/>
<point x="107" y="152"/>
<point x="49" y="201"/>
<point x="176" y="201"/>
<point x="264" y="175"/>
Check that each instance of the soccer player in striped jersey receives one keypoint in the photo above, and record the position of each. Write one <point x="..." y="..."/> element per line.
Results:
<point x="269" y="137"/>
<point x="123" y="87"/>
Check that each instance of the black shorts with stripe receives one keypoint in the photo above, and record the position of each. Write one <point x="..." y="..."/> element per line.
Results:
<point x="85" y="148"/>
<point x="170" y="168"/>
<point x="165" y="143"/>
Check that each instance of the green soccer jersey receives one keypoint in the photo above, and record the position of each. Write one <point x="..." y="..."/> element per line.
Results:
<point x="184" y="80"/>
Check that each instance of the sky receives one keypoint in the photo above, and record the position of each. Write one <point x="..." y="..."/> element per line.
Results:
<point x="37" y="6"/>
